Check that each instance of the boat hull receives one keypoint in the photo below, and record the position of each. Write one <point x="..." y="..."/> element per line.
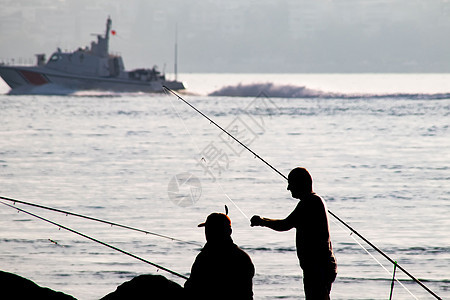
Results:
<point x="34" y="79"/>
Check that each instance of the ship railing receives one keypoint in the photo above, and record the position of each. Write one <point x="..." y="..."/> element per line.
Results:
<point x="17" y="62"/>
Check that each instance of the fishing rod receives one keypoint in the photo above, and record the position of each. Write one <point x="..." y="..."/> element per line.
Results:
<point x="225" y="131"/>
<point x="97" y="220"/>
<point x="385" y="256"/>
<point x="284" y="176"/>
<point x="96" y="240"/>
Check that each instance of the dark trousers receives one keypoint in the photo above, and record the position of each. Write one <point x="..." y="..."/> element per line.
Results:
<point x="317" y="283"/>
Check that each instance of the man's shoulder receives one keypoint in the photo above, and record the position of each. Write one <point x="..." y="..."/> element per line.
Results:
<point x="239" y="252"/>
<point x="244" y="260"/>
<point x="314" y="199"/>
<point x="310" y="202"/>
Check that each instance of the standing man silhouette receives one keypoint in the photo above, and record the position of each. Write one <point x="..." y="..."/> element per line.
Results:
<point x="221" y="270"/>
<point x="314" y="249"/>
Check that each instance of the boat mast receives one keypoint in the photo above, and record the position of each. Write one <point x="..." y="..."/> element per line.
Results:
<point x="101" y="47"/>
<point x="176" y="52"/>
<point x="108" y="29"/>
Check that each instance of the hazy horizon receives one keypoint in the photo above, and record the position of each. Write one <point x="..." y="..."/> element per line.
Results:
<point x="287" y="36"/>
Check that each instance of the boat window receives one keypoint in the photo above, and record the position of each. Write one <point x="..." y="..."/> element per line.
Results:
<point x="55" y="57"/>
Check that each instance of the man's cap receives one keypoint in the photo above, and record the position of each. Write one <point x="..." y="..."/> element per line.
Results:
<point x="216" y="220"/>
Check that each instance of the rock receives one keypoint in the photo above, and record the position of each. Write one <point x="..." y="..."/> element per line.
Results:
<point x="15" y="287"/>
<point x="147" y="287"/>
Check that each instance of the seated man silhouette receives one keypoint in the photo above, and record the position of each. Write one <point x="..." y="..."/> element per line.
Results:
<point x="221" y="270"/>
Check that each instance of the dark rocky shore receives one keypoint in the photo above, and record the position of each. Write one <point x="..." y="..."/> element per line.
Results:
<point x="141" y="287"/>
<point x="147" y="287"/>
<point x="16" y="287"/>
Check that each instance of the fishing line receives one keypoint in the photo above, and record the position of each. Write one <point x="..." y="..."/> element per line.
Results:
<point x="240" y="210"/>
<point x="386" y="256"/>
<point x="199" y="151"/>
<point x="97" y="220"/>
<point x="96" y="240"/>
<point x="374" y="258"/>
<point x="282" y="175"/>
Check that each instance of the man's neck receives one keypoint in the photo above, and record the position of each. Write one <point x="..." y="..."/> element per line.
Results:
<point x="220" y="242"/>
<point x="305" y="196"/>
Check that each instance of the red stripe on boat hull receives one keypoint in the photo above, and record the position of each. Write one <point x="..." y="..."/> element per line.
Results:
<point x="34" y="78"/>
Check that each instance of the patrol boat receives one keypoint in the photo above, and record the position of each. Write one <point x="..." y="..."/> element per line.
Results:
<point x="87" y="68"/>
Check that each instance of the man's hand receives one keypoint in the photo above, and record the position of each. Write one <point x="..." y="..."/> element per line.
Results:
<point x="256" y="221"/>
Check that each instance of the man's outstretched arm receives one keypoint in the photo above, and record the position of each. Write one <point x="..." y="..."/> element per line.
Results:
<point x="275" y="224"/>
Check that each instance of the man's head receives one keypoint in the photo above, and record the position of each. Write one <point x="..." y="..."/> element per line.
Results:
<point x="299" y="182"/>
<point x="217" y="227"/>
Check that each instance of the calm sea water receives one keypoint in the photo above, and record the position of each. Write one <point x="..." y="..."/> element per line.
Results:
<point x="376" y="145"/>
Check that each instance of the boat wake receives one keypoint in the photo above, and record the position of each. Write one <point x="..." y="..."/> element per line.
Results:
<point x="292" y="91"/>
<point x="46" y="89"/>
<point x="52" y="89"/>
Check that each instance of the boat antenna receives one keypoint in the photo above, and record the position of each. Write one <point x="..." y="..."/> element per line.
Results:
<point x="96" y="220"/>
<point x="284" y="176"/>
<point x="95" y="240"/>
<point x="175" y="67"/>
<point x="108" y="28"/>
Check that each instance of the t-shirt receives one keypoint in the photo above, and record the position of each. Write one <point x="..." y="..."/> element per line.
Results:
<point x="313" y="235"/>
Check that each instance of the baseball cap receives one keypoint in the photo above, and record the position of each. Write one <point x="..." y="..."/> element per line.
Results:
<point x="216" y="220"/>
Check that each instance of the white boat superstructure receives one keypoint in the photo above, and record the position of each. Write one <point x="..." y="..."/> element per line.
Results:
<point x="90" y="68"/>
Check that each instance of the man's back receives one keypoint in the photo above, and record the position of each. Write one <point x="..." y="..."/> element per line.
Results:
<point x="221" y="270"/>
